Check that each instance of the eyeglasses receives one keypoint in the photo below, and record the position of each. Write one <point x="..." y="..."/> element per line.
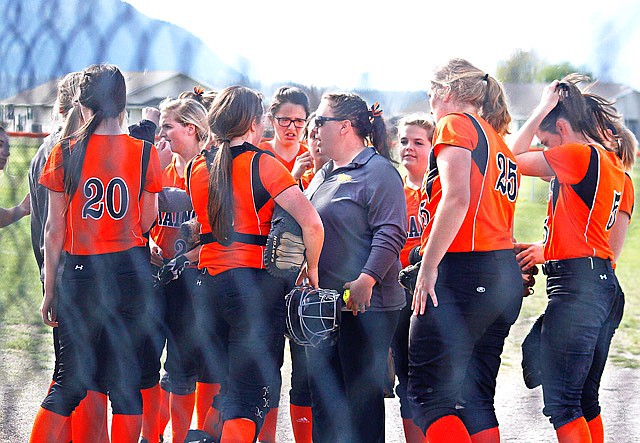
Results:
<point x="285" y="122"/>
<point x="321" y="120"/>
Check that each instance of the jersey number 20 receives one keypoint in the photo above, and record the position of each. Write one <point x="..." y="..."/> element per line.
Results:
<point x="94" y="191"/>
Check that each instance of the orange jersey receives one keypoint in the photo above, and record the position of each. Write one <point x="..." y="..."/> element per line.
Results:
<point x="104" y="213"/>
<point x="247" y="218"/>
<point x="628" y="196"/>
<point x="584" y="200"/>
<point x="266" y="146"/>
<point x="494" y="181"/>
<point x="414" y="227"/>
<point x="306" y="178"/>
<point x="166" y="232"/>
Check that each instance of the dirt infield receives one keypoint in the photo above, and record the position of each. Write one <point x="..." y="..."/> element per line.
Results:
<point x="25" y="380"/>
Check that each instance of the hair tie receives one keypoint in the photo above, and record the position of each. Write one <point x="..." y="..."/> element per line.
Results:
<point x="375" y="110"/>
<point x="198" y="90"/>
<point x="486" y="77"/>
<point x="226" y="140"/>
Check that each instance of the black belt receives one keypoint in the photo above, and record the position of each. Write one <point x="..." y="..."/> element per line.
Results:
<point x="576" y="264"/>
<point x="235" y="237"/>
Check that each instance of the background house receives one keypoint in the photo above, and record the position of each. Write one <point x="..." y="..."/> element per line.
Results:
<point x="32" y="110"/>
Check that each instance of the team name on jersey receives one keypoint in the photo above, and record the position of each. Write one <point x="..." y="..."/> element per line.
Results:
<point x="174" y="219"/>
<point x="414" y="229"/>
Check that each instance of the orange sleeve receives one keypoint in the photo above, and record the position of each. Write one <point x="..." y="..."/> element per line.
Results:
<point x="274" y="175"/>
<point x="569" y="162"/>
<point x="455" y="130"/>
<point x="628" y="196"/>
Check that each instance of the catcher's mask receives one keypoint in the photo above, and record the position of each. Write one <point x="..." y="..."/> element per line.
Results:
<point x="313" y="316"/>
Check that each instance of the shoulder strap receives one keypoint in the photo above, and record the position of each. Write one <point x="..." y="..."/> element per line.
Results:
<point x="480" y="155"/>
<point x="146" y="154"/>
<point x="260" y="197"/>
<point x="66" y="153"/>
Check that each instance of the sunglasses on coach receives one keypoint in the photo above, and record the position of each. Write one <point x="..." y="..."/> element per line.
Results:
<point x="321" y="120"/>
<point x="285" y="122"/>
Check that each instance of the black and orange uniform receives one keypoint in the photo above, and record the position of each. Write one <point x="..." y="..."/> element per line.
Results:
<point x="299" y="395"/>
<point x="585" y="306"/>
<point x="306" y="178"/>
<point x="628" y="196"/>
<point x="182" y="365"/>
<point x="479" y="286"/>
<point x="400" y="342"/>
<point x="240" y="309"/>
<point x="266" y="146"/>
<point x="102" y="304"/>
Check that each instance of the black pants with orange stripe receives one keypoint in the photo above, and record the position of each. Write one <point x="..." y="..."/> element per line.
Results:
<point x="454" y="349"/>
<point x="102" y="321"/>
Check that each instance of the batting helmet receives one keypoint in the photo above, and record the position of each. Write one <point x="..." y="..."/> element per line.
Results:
<point x="313" y="316"/>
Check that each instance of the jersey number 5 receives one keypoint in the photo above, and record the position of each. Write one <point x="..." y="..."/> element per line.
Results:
<point x="94" y="191"/>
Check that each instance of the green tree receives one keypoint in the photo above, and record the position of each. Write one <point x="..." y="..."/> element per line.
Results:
<point x="549" y="73"/>
<point x="521" y="67"/>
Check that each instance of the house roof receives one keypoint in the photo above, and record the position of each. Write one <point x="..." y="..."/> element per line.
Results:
<point x="137" y="82"/>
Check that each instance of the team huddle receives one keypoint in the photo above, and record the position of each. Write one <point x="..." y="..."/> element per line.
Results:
<point x="146" y="250"/>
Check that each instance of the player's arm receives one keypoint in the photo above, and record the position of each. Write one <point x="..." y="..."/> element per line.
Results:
<point x="12" y="215"/>
<point x="454" y="164"/>
<point x="619" y="234"/>
<point x="149" y="210"/>
<point x="55" y="229"/>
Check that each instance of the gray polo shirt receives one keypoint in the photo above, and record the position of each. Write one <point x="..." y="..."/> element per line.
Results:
<point x="363" y="209"/>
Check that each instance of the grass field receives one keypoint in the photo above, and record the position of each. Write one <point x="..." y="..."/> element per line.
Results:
<point x="20" y="291"/>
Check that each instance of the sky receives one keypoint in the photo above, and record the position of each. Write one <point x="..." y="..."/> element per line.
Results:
<point x="395" y="44"/>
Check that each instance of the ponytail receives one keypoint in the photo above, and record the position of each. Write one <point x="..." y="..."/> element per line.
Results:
<point x="76" y="159"/>
<point x="220" y="203"/>
<point x="494" y="106"/>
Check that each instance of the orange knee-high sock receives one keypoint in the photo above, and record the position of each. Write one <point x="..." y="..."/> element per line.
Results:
<point x="491" y="435"/>
<point x="163" y="413"/>
<point x="268" y="431"/>
<point x="576" y="431"/>
<point x="448" y="429"/>
<point x="181" y="407"/>
<point x="150" y="412"/>
<point x="204" y="397"/>
<point x="213" y="424"/>
<point x="412" y="433"/>
<point x="47" y="426"/>
<point x="89" y="419"/>
<point x="301" y="423"/>
<point x="596" y="429"/>
<point x="65" y="433"/>
<point x="238" y="430"/>
<point x="126" y="428"/>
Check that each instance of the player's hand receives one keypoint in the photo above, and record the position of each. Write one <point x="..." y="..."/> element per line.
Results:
<point x="425" y="288"/>
<point x="164" y="152"/>
<point x="303" y="162"/>
<point x="529" y="255"/>
<point x="156" y="256"/>
<point x="48" y="310"/>
<point x="151" y="114"/>
<point x="360" y="293"/>
<point x="308" y="276"/>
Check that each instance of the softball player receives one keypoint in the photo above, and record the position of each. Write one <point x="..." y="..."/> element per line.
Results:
<point x="101" y="201"/>
<point x="11" y="215"/>
<point x="585" y="303"/>
<point x="242" y="317"/>
<point x="288" y="114"/>
<point x="469" y="276"/>
<point x="414" y="135"/>
<point x="183" y="123"/>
